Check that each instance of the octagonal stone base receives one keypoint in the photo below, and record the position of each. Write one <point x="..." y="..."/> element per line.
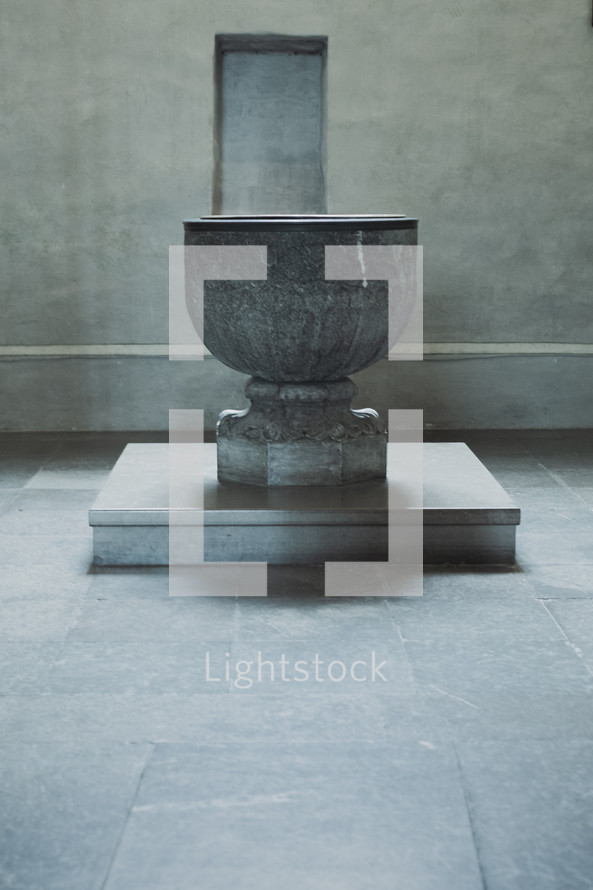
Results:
<point x="300" y="434"/>
<point x="302" y="463"/>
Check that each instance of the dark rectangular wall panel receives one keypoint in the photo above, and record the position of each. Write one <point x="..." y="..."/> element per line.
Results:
<point x="270" y="122"/>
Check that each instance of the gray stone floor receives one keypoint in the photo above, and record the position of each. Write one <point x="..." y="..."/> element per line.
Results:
<point x="125" y="766"/>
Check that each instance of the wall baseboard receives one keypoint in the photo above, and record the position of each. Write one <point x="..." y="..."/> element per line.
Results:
<point x="151" y="350"/>
<point x="135" y="392"/>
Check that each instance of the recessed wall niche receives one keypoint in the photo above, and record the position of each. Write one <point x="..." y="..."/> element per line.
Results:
<point x="269" y="135"/>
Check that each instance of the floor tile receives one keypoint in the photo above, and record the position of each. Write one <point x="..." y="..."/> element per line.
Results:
<point x="462" y="604"/>
<point x="511" y="463"/>
<point x="556" y="536"/>
<point x="154" y="618"/>
<point x="531" y="812"/>
<point x="25" y="665"/>
<point x="544" y="499"/>
<point x="556" y="520"/>
<point x="306" y="618"/>
<point x="569" y="452"/>
<point x="90" y="453"/>
<point x="198" y="718"/>
<point x="555" y="547"/>
<point x="571" y="458"/>
<point x="50" y="511"/>
<point x="561" y="581"/>
<point x="316" y="666"/>
<point x="491" y="447"/>
<point x="520" y="713"/>
<point x="575" y="617"/>
<point x="349" y="814"/>
<point x="134" y="668"/>
<point x="468" y="668"/>
<point x="17" y="521"/>
<point x="7" y="498"/>
<point x="130" y="584"/>
<point x="38" y="619"/>
<point x="42" y="581"/>
<point x="585" y="493"/>
<point x="18" y="470"/>
<point x="54" y="499"/>
<point x="81" y="465"/>
<point x="525" y="478"/>
<point x="414" y="717"/>
<point x="54" y="477"/>
<point x="26" y="442"/>
<point x="67" y="552"/>
<point x="575" y="478"/>
<point x="561" y="435"/>
<point x="63" y="810"/>
<point x="220" y="877"/>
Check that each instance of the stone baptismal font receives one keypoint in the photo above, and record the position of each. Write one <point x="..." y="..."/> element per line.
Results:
<point x="299" y="335"/>
<point x="299" y="303"/>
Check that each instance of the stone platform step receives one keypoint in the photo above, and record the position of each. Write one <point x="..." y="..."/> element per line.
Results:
<point x="467" y="516"/>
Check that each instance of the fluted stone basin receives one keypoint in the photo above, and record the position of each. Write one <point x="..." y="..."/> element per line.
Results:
<point x="298" y="336"/>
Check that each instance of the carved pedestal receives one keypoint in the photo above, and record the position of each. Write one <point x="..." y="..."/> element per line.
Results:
<point x="300" y="434"/>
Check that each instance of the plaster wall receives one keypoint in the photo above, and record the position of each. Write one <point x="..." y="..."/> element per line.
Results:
<point x="473" y="115"/>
